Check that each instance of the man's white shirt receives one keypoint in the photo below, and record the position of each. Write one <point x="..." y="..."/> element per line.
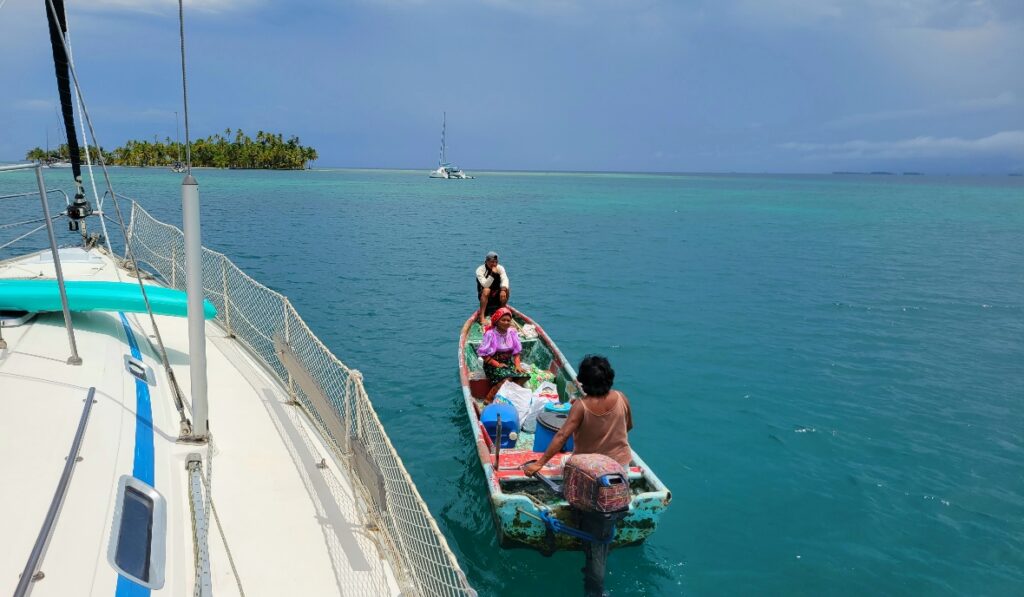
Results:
<point x="485" y="280"/>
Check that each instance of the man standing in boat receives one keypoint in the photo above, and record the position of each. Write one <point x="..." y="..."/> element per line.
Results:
<point x="491" y="286"/>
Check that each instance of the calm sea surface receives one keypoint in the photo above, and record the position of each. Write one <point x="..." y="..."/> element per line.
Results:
<point x="827" y="371"/>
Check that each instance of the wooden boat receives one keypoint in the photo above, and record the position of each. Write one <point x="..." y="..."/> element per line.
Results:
<point x="518" y="502"/>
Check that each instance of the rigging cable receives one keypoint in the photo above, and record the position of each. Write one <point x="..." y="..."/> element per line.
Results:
<point x="186" y="428"/>
<point x="184" y="87"/>
<point x="88" y="160"/>
<point x="207" y="482"/>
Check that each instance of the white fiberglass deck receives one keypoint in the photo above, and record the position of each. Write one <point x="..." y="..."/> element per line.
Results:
<point x="292" y="527"/>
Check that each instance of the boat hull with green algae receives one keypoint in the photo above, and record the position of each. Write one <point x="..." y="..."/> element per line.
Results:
<point x="517" y="501"/>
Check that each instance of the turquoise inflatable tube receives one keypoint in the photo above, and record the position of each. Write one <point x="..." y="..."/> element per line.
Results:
<point x="44" y="295"/>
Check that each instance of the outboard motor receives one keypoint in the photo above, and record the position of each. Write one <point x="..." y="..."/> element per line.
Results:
<point x="598" y="488"/>
<point x="595" y="483"/>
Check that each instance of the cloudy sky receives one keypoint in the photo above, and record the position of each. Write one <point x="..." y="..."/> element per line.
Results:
<point x="650" y="85"/>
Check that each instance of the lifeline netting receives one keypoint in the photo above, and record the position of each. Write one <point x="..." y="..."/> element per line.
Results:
<point x="258" y="317"/>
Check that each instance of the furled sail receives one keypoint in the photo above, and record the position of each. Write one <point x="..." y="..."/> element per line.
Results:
<point x="57" y="20"/>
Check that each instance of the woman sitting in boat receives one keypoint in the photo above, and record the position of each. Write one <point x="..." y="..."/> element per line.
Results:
<point x="500" y="348"/>
<point x="599" y="423"/>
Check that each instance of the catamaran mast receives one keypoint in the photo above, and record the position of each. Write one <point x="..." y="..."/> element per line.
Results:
<point x="442" y="159"/>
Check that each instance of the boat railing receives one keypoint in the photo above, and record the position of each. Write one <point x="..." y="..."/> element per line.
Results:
<point x="333" y="394"/>
<point x="16" y="227"/>
<point x="47" y="220"/>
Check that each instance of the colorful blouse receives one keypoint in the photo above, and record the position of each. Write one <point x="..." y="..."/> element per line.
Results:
<point x="493" y="341"/>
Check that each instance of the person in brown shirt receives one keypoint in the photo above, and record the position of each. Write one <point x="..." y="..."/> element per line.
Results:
<point x="599" y="423"/>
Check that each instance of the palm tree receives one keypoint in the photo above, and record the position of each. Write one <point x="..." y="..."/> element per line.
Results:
<point x="310" y="155"/>
<point x="36" y="154"/>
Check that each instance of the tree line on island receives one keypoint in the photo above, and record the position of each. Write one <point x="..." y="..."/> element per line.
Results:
<point x="267" y="151"/>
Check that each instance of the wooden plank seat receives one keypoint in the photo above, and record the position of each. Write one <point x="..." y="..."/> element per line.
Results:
<point x="512" y="460"/>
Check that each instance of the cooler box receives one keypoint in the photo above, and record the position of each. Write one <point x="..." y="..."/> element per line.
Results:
<point x="548" y="424"/>
<point x="509" y="422"/>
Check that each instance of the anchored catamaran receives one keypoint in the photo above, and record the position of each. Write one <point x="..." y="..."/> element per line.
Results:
<point x="445" y="169"/>
<point x="269" y="475"/>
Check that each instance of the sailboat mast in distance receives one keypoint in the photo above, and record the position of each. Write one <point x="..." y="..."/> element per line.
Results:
<point x="443" y="157"/>
<point x="444" y="169"/>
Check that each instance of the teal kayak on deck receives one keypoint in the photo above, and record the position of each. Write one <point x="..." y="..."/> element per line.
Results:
<point x="44" y="295"/>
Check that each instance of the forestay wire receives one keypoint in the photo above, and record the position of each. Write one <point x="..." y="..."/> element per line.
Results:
<point x="88" y="160"/>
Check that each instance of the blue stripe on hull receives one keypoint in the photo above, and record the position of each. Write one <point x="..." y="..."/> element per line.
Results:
<point x="142" y="469"/>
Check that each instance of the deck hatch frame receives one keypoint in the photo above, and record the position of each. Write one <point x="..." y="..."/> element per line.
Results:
<point x="127" y="486"/>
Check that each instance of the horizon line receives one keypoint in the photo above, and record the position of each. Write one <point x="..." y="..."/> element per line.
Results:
<point x="874" y="173"/>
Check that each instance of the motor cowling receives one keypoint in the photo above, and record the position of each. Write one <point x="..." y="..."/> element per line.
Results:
<point x="596" y="483"/>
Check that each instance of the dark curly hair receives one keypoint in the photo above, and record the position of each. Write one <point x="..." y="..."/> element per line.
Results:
<point x="596" y="375"/>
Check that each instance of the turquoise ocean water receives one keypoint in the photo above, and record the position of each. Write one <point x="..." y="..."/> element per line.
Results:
<point x="827" y="371"/>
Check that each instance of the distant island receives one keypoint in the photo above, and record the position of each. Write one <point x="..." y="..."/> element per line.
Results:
<point x="876" y="173"/>
<point x="269" y="151"/>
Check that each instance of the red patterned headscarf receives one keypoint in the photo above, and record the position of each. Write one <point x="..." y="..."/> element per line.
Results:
<point x="503" y="311"/>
